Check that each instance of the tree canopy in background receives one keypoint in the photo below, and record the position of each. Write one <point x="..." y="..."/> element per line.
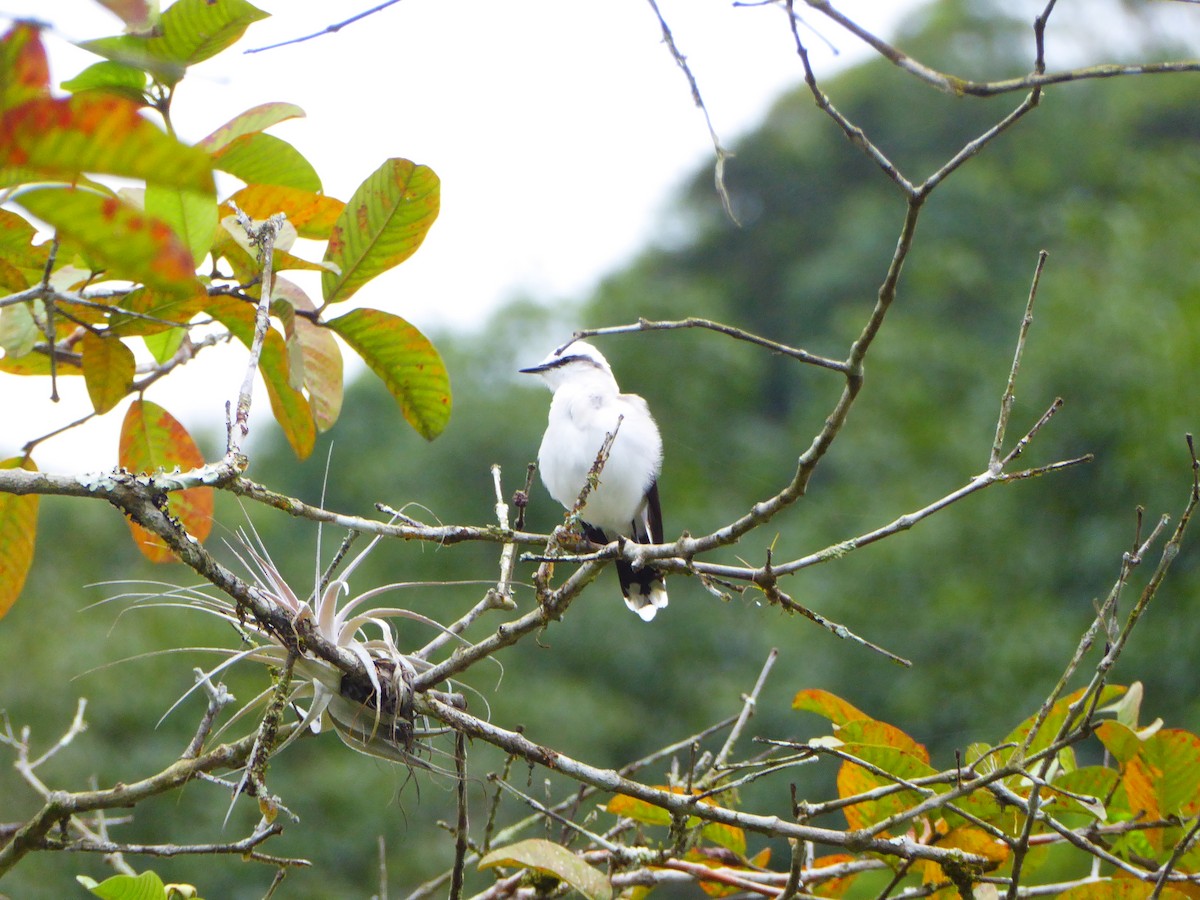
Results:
<point x="988" y="599"/>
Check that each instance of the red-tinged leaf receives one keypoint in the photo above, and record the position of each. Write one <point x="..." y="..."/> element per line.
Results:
<point x="192" y="215"/>
<point x="108" y="370"/>
<point x="289" y="405"/>
<point x="312" y="214"/>
<point x="93" y="132"/>
<point x="881" y="734"/>
<point x="251" y="121"/>
<point x="24" y="72"/>
<point x="145" y="311"/>
<point x="265" y="159"/>
<point x="407" y="363"/>
<point x="153" y="441"/>
<point x="552" y="859"/>
<point x="18" y="528"/>
<point x="116" y="237"/>
<point x="828" y="705"/>
<point x="321" y="357"/>
<point x="134" y="13"/>
<point x="190" y="31"/>
<point x="383" y="224"/>
<point x="16" y="242"/>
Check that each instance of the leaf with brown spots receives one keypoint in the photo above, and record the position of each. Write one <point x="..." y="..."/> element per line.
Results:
<point x="383" y="224"/>
<point x="152" y="440"/>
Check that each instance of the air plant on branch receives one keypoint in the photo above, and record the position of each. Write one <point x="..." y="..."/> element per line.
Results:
<point x="376" y="720"/>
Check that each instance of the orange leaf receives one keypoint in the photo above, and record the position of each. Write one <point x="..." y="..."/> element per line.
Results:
<point x="18" y="529"/>
<point x="152" y="440"/>
<point x="832" y="707"/>
<point x="312" y="214"/>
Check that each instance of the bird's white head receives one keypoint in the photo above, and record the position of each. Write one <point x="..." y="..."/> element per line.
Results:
<point x="579" y="361"/>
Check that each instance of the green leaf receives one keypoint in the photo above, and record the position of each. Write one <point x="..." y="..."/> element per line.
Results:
<point x="190" y="31"/>
<point x="152" y="440"/>
<point x="289" y="405"/>
<point x="111" y="77"/>
<point x="407" y="362"/>
<point x="18" y="530"/>
<point x="259" y="118"/>
<point x="313" y="215"/>
<point x="116" y="237"/>
<point x="147" y="886"/>
<point x="383" y="224"/>
<point x="550" y="858"/>
<point x="265" y="159"/>
<point x="192" y="215"/>
<point x="93" y="132"/>
<point x="164" y="344"/>
<point x="19" y="331"/>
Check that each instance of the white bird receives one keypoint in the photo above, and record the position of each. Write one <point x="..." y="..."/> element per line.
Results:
<point x="588" y="406"/>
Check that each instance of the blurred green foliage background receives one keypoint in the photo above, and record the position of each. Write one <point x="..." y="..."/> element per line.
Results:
<point x="988" y="599"/>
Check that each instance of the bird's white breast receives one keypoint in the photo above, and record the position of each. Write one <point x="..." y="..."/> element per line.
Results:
<point x="580" y="419"/>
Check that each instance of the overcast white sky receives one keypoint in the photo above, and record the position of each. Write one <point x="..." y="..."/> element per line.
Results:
<point x="559" y="129"/>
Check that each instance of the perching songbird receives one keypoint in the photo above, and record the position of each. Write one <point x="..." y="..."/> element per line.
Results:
<point x="587" y="407"/>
